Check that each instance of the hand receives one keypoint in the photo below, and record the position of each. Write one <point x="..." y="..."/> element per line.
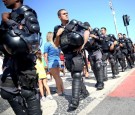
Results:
<point x="121" y="45"/>
<point x="93" y="36"/>
<point x="78" y="50"/>
<point x="5" y="16"/>
<point x="20" y="27"/>
<point x="60" y="31"/>
<point x="115" y="42"/>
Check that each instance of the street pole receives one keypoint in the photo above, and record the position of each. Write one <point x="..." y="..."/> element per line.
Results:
<point x="114" y="18"/>
<point x="127" y="31"/>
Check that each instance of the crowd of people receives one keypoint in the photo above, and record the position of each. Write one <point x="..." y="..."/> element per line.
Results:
<point x="23" y="67"/>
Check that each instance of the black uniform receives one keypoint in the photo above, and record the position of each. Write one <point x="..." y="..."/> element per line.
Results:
<point x="130" y="49"/>
<point x="22" y="45"/>
<point x="107" y="54"/>
<point x="119" y="57"/>
<point x="72" y="38"/>
<point x="124" y="51"/>
<point x="93" y="46"/>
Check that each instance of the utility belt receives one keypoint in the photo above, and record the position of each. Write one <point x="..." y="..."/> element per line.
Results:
<point x="122" y="49"/>
<point x="26" y="79"/>
<point x="93" y="50"/>
<point x="105" y="51"/>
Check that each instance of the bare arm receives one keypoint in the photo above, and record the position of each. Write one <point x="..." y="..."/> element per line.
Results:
<point x="46" y="58"/>
<point x="57" y="39"/>
<point x="113" y="45"/>
<point x="86" y="36"/>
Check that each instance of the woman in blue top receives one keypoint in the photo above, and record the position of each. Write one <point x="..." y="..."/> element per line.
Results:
<point x="52" y="58"/>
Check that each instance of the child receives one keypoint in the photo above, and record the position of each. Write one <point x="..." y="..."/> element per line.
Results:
<point x="42" y="79"/>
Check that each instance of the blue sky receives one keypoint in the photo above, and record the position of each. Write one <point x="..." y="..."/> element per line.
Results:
<point x="96" y="12"/>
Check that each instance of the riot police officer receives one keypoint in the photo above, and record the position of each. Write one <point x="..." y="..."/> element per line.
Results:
<point x="130" y="48"/>
<point x="93" y="46"/>
<point x="20" y="34"/>
<point x="72" y="36"/>
<point x="107" y="46"/>
<point x="117" y="54"/>
<point x="124" y="50"/>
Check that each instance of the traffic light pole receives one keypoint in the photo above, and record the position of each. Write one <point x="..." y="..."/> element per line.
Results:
<point x="114" y="18"/>
<point x="126" y="20"/>
<point x="127" y="31"/>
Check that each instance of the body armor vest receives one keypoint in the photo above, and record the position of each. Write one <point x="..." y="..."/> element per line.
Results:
<point x="129" y="43"/>
<point x="72" y="37"/>
<point x="16" y="40"/>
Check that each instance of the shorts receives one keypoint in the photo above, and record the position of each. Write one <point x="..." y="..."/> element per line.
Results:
<point x="54" y="64"/>
<point x="42" y="75"/>
<point x="62" y="66"/>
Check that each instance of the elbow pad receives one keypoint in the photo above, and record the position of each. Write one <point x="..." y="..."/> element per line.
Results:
<point x="56" y="28"/>
<point x="31" y="22"/>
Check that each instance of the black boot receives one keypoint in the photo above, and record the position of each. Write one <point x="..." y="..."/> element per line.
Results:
<point x="96" y="84"/>
<point x="73" y="105"/>
<point x="100" y="79"/>
<point x="123" y="69"/>
<point x="100" y="85"/>
<point x="105" y="78"/>
<point x="83" y="96"/>
<point x="114" y="76"/>
<point x="84" y="92"/>
<point x="117" y="68"/>
<point x="76" y="89"/>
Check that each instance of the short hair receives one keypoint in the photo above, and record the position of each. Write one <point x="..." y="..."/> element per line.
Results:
<point x="104" y="28"/>
<point x="120" y="33"/>
<point x="59" y="12"/>
<point x="124" y="34"/>
<point x="21" y="1"/>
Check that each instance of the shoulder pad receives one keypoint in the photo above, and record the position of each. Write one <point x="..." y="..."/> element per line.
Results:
<point x="83" y="25"/>
<point x="57" y="27"/>
<point x="25" y="8"/>
<point x="110" y="35"/>
<point x="96" y="29"/>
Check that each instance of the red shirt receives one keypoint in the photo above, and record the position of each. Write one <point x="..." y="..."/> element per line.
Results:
<point x="61" y="57"/>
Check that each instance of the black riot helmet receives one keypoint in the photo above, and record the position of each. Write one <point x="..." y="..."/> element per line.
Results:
<point x="96" y="31"/>
<point x="112" y="36"/>
<point x="16" y="44"/>
<point x="76" y="39"/>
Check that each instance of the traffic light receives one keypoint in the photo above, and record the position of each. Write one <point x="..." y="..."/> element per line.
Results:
<point x="126" y="20"/>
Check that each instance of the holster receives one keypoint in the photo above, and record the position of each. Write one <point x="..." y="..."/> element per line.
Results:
<point x="77" y="64"/>
<point x="28" y="79"/>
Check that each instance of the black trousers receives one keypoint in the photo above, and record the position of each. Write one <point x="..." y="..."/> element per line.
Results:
<point x="121" y="59"/>
<point x="127" y="56"/>
<point x="25" y="103"/>
<point x="112" y="61"/>
<point x="74" y="63"/>
<point x="95" y="59"/>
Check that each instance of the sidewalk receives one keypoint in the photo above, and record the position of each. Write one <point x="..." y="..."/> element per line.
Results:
<point x="120" y="101"/>
<point x="59" y="105"/>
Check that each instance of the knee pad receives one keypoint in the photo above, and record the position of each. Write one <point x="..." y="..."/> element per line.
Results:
<point x="27" y="93"/>
<point x="6" y="95"/>
<point x="111" y="60"/>
<point x="98" y="65"/>
<point x="77" y="75"/>
<point x="104" y="63"/>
